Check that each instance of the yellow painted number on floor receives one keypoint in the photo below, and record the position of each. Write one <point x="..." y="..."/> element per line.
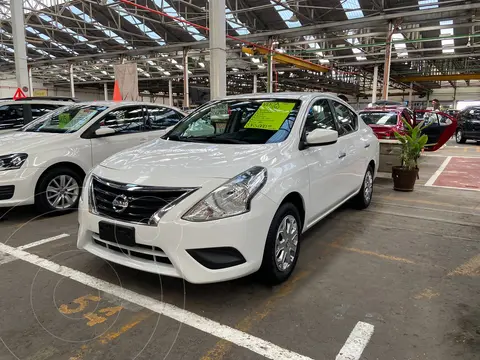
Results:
<point x="82" y="303"/>
<point x="94" y="319"/>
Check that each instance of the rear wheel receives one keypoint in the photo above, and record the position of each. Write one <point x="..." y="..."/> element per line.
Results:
<point x="282" y="247"/>
<point x="459" y="137"/>
<point x="364" y="197"/>
<point x="58" y="191"/>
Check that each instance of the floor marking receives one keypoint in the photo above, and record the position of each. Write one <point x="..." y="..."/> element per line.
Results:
<point x="5" y="258"/>
<point x="438" y="172"/>
<point x="356" y="342"/>
<point x="455" y="188"/>
<point x="222" y="347"/>
<point x="237" y="337"/>
<point x="372" y="253"/>
<point x="44" y="241"/>
<point x="420" y="217"/>
<point x="105" y="339"/>
<point x="470" y="268"/>
<point x="426" y="294"/>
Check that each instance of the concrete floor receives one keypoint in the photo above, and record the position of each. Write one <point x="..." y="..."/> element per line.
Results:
<point x="409" y="266"/>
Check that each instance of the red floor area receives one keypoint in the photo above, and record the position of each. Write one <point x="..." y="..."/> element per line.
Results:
<point x="463" y="173"/>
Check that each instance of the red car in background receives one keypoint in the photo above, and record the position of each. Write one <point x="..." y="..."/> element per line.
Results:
<point x="385" y="121"/>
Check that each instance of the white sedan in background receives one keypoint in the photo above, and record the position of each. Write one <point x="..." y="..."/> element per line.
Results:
<point x="230" y="189"/>
<point x="45" y="162"/>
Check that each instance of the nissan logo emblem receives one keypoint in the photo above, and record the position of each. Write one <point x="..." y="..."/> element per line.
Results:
<point x="120" y="203"/>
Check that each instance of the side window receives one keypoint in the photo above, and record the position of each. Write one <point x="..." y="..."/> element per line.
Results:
<point x="41" y="109"/>
<point x="320" y="116"/>
<point x="159" y="118"/>
<point x="347" y="119"/>
<point x="125" y="120"/>
<point x="11" y="112"/>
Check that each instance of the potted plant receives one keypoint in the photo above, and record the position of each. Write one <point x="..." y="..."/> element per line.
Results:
<point x="413" y="142"/>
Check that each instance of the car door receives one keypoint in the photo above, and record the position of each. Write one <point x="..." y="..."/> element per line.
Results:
<point x="352" y="144"/>
<point x="323" y="162"/>
<point x="475" y="124"/>
<point x="129" y="125"/>
<point x="440" y="129"/>
<point x="158" y="119"/>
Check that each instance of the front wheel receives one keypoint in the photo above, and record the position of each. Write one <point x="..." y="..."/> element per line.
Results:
<point x="58" y="191"/>
<point x="282" y="247"/>
<point x="459" y="137"/>
<point x="364" y="197"/>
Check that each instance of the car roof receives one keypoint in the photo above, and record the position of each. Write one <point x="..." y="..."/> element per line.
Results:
<point x="113" y="104"/>
<point x="21" y="102"/>
<point x="303" y="96"/>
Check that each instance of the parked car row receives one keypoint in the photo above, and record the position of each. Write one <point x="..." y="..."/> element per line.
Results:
<point x="223" y="193"/>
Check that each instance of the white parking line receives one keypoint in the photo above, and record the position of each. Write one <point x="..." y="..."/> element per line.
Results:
<point x="438" y="172"/>
<point x="237" y="337"/>
<point x="356" y="342"/>
<point x="44" y="241"/>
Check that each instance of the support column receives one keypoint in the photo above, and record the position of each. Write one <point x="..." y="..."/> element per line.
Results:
<point x="186" y="93"/>
<point x="254" y="83"/>
<point x="269" y="73"/>
<point x="388" y="61"/>
<point x="18" y="32"/>
<point x="170" y="92"/>
<point x="30" y="81"/>
<point x="105" y="91"/>
<point x="410" y="96"/>
<point x="218" y="44"/>
<point x="375" y="84"/>
<point x="72" y="83"/>
<point x="455" y="96"/>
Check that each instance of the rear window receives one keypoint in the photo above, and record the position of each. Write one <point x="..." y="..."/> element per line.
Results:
<point x="388" y="118"/>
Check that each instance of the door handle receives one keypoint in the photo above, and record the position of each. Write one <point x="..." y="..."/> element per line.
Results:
<point x="367" y="146"/>
<point x="342" y="155"/>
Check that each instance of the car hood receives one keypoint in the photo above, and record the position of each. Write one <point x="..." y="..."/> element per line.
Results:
<point x="19" y="141"/>
<point x="175" y="159"/>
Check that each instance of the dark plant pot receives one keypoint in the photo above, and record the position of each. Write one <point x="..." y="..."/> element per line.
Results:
<point x="403" y="178"/>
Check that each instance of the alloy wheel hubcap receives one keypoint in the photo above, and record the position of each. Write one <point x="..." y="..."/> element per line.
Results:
<point x="62" y="192"/>
<point x="459" y="135"/>
<point x="286" y="243"/>
<point x="368" y="187"/>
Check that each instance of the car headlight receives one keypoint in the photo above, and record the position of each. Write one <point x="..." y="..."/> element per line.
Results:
<point x="230" y="199"/>
<point x="86" y="184"/>
<point x="12" y="161"/>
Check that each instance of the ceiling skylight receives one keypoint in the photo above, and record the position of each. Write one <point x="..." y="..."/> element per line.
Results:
<point x="428" y="4"/>
<point x="447" y="44"/>
<point x="50" y="40"/>
<point x="399" y="46"/>
<point x="354" y="41"/>
<point x="170" y="10"/>
<point x="69" y="31"/>
<point x="109" y="33"/>
<point x="137" y="23"/>
<point x="352" y="9"/>
<point x="287" y="15"/>
<point x="234" y="23"/>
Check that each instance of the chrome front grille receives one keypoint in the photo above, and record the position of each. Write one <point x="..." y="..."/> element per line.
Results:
<point x="133" y="203"/>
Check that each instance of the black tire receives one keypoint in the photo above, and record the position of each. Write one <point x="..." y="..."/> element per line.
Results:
<point x="41" y="201"/>
<point x="269" y="272"/>
<point x="459" y="138"/>
<point x="361" y="200"/>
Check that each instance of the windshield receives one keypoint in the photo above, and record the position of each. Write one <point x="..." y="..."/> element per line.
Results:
<point x="241" y="121"/>
<point x="388" y="118"/>
<point x="67" y="119"/>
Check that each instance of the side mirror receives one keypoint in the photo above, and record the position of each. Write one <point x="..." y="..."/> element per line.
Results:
<point x="104" y="131"/>
<point x="320" y="137"/>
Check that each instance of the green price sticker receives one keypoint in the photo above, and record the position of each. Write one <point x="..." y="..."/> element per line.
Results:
<point x="63" y="120"/>
<point x="270" y="116"/>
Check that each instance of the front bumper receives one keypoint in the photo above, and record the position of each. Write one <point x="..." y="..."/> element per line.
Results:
<point x="164" y="249"/>
<point x="24" y="180"/>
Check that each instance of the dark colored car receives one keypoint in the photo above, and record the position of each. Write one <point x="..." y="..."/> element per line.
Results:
<point x="468" y="127"/>
<point x="385" y="121"/>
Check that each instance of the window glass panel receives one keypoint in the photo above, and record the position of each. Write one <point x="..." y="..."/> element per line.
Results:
<point x="125" y="120"/>
<point x="320" y="116"/>
<point x="347" y="119"/>
<point x="159" y="118"/>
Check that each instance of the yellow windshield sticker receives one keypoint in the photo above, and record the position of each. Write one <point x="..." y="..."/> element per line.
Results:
<point x="63" y="120"/>
<point x="270" y="116"/>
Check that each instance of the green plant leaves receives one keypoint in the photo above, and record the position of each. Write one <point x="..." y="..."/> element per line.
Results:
<point x="413" y="143"/>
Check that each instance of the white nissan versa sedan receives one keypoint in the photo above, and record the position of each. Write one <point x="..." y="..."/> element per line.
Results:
<point x="231" y="188"/>
<point x="45" y="162"/>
